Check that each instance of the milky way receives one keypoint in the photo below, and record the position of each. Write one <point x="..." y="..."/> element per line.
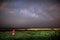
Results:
<point x="26" y="13"/>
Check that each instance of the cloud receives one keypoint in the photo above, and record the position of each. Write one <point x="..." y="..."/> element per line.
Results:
<point x="24" y="11"/>
<point x="13" y="11"/>
<point x="34" y="15"/>
<point x="54" y="7"/>
<point x="53" y="11"/>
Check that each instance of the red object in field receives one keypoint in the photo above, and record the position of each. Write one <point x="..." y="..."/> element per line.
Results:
<point x="13" y="31"/>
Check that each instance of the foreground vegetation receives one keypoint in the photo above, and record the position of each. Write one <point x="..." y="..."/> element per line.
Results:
<point x="30" y="35"/>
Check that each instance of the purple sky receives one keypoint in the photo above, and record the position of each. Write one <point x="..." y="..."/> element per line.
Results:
<point x="30" y="13"/>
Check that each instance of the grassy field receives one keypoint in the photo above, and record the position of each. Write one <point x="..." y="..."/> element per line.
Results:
<point x="30" y="35"/>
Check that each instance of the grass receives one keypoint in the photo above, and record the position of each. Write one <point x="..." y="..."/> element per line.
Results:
<point x="30" y="35"/>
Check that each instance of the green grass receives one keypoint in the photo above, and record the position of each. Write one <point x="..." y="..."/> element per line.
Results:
<point x="30" y="35"/>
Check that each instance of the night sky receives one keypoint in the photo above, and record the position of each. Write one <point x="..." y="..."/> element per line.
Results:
<point x="29" y="13"/>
